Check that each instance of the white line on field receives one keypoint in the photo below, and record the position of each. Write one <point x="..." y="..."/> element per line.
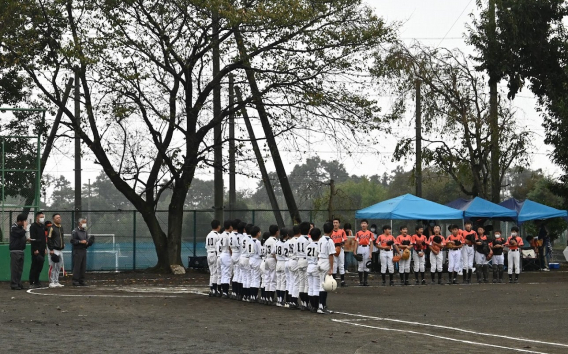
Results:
<point x="453" y="329"/>
<point x="33" y="292"/>
<point x="439" y="337"/>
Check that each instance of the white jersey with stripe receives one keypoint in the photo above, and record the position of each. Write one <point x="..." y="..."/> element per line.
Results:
<point x="270" y="246"/>
<point x="301" y="246"/>
<point x="326" y="247"/>
<point x="255" y="248"/>
<point x="312" y="252"/>
<point x="211" y="241"/>
<point x="235" y="242"/>
<point x="280" y="250"/>
<point x="244" y="240"/>
<point x="224" y="240"/>
<point x="292" y="244"/>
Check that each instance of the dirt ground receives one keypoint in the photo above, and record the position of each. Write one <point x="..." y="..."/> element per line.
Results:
<point x="149" y="313"/>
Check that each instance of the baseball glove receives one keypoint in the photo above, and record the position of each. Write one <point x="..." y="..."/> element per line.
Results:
<point x="358" y="257"/>
<point x="435" y="249"/>
<point x="55" y="258"/>
<point x="406" y="242"/>
<point x="396" y="258"/>
<point x="337" y="251"/>
<point x="390" y="243"/>
<point x="405" y="254"/>
<point x="437" y="239"/>
<point x="457" y="243"/>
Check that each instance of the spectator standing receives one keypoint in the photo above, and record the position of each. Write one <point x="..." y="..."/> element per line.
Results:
<point x="38" y="247"/>
<point x="55" y="245"/>
<point x="17" y="247"/>
<point x="80" y="242"/>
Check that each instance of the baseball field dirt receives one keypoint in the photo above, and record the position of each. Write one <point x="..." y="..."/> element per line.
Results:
<point x="152" y="313"/>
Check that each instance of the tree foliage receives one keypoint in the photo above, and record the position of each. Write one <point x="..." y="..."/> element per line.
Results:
<point x="456" y="133"/>
<point x="532" y="51"/>
<point x="146" y="79"/>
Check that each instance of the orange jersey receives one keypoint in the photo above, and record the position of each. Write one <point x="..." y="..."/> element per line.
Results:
<point x="465" y="233"/>
<point x="453" y="238"/>
<point x="383" y="239"/>
<point x="431" y="240"/>
<point x="364" y="238"/>
<point x="519" y="241"/>
<point x="419" y="242"/>
<point x="403" y="240"/>
<point x="338" y="236"/>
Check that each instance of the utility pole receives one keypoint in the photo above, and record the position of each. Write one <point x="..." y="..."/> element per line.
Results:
<point x="78" y="206"/>
<point x="89" y="202"/>
<point x="232" y="182"/>
<point x="493" y="112"/>
<point x="418" y="140"/>
<point x="261" y="166"/>
<point x="218" y="149"/>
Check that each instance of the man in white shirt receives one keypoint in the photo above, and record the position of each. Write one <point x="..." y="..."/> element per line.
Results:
<point x="210" y="247"/>
<point x="326" y="251"/>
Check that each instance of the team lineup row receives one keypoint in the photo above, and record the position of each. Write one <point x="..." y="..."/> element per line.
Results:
<point x="466" y="249"/>
<point x="291" y="268"/>
<point x="294" y="268"/>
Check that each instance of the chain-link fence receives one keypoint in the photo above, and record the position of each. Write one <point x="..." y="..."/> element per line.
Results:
<point x="123" y="240"/>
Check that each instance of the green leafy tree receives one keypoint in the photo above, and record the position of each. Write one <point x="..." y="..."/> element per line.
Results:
<point x="145" y="73"/>
<point x="531" y="51"/>
<point x="456" y="130"/>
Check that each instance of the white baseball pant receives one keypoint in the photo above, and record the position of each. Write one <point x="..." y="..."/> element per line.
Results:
<point x="254" y="281"/>
<point x="226" y="264"/>
<point x="455" y="262"/>
<point x="363" y="251"/>
<point x="467" y="257"/>
<point x="313" y="280"/>
<point x="419" y="262"/>
<point x="514" y="261"/>
<point x="302" y="271"/>
<point x="339" y="263"/>
<point x="281" y="275"/>
<point x="212" y="263"/>
<point x="270" y="284"/>
<point x="235" y="257"/>
<point x="498" y="259"/>
<point x="404" y="265"/>
<point x="436" y="262"/>
<point x="480" y="259"/>
<point x="386" y="261"/>
<point x="323" y="267"/>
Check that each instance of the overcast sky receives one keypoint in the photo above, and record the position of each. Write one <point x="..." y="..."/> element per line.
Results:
<point x="432" y="22"/>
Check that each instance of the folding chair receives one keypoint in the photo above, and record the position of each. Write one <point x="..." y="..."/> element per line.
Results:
<point x="529" y="260"/>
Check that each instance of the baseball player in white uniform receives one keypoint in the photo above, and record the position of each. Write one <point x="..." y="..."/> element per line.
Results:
<point x="254" y="250"/>
<point x="293" y="266"/>
<point x="468" y="251"/>
<point x="514" y="243"/>
<point x="244" y="262"/>
<point x="211" y="248"/>
<point x="326" y="250"/>
<point x="313" y="271"/>
<point x="437" y="244"/>
<point x="270" y="260"/>
<point x="301" y="253"/>
<point x="280" y="253"/>
<point x="235" y="244"/>
<point x="225" y="259"/>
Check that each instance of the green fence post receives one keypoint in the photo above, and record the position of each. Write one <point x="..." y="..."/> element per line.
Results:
<point x="194" y="233"/>
<point x="253" y="215"/>
<point x="134" y="240"/>
<point x="311" y="220"/>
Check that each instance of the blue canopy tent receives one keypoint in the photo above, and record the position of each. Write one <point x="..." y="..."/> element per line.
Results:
<point x="528" y="210"/>
<point x="408" y="207"/>
<point x="481" y="208"/>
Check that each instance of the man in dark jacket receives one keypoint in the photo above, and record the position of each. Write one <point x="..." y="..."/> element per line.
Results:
<point x="55" y="244"/>
<point x="17" y="247"/>
<point x="80" y="242"/>
<point x="38" y="244"/>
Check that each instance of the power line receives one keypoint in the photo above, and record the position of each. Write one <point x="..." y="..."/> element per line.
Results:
<point x="456" y="21"/>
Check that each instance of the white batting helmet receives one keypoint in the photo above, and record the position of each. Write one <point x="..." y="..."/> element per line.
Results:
<point x="329" y="284"/>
